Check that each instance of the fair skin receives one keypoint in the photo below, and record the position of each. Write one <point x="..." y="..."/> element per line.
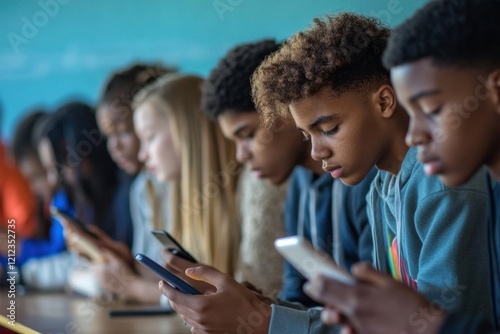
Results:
<point x="157" y="149"/>
<point x="271" y="154"/>
<point x="377" y="111"/>
<point x="122" y="142"/>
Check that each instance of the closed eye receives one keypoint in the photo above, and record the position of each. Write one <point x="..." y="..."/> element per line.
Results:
<point x="332" y="131"/>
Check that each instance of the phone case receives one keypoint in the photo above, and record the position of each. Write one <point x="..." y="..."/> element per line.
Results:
<point x="172" y="245"/>
<point x="309" y="261"/>
<point x="170" y="278"/>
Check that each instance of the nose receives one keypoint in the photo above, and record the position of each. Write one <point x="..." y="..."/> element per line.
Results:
<point x="319" y="150"/>
<point x="142" y="155"/>
<point x="112" y="144"/>
<point x="419" y="132"/>
<point x="243" y="153"/>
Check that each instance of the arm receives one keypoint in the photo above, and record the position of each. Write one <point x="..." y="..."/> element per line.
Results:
<point x="452" y="228"/>
<point x="403" y="311"/>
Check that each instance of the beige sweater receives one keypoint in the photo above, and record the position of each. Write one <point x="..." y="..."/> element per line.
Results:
<point x="262" y="218"/>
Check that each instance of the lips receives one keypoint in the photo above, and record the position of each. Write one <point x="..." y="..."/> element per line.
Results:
<point x="335" y="171"/>
<point x="432" y="165"/>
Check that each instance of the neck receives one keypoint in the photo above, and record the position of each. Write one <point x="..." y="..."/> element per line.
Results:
<point x="313" y="165"/>
<point x="392" y="158"/>
<point x="493" y="161"/>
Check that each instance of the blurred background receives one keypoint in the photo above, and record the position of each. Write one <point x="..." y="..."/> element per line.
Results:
<point x="53" y="50"/>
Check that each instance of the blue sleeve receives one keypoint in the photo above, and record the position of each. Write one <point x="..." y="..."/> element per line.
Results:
<point x="292" y="279"/>
<point x="355" y="229"/>
<point x="465" y="324"/>
<point x="34" y="248"/>
<point x="122" y="229"/>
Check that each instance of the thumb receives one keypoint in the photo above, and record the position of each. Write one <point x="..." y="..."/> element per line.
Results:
<point x="208" y="275"/>
<point x="364" y="272"/>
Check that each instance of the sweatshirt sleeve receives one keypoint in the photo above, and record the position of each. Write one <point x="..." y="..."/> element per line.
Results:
<point x="454" y="267"/>
<point x="298" y="321"/>
<point x="292" y="279"/>
<point x="356" y="231"/>
<point x="34" y="248"/>
<point x="462" y="324"/>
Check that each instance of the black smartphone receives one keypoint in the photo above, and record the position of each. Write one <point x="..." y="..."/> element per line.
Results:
<point x="140" y="312"/>
<point x="165" y="274"/>
<point x="172" y="245"/>
<point x="59" y="214"/>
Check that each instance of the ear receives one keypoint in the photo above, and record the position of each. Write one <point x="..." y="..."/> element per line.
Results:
<point x="494" y="87"/>
<point x="385" y="99"/>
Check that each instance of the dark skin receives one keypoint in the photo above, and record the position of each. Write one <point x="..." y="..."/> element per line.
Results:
<point x="378" y="110"/>
<point x="272" y="154"/>
<point x="450" y="148"/>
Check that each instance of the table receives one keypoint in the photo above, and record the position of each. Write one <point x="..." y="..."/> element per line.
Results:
<point x="58" y="313"/>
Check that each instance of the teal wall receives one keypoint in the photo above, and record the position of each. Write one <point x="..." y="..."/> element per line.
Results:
<point x="53" y="50"/>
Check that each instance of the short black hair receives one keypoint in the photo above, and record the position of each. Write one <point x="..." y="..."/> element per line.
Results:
<point x="23" y="143"/>
<point x="123" y="84"/>
<point x="462" y="33"/>
<point x="228" y="85"/>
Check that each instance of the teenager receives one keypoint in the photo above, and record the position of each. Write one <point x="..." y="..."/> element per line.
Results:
<point x="447" y="76"/>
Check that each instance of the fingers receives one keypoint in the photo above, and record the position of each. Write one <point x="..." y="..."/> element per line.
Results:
<point x="175" y="262"/>
<point x="331" y="292"/>
<point x="178" y="299"/>
<point x="364" y="272"/>
<point x="210" y="276"/>
<point x="330" y="316"/>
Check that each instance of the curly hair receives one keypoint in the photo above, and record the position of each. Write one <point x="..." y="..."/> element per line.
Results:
<point x="228" y="85"/>
<point x="451" y="32"/>
<point x="342" y="52"/>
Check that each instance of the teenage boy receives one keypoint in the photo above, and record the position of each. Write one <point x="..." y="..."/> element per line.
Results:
<point x="279" y="155"/>
<point x="333" y="218"/>
<point x="343" y="102"/>
<point x="332" y="80"/>
<point x="447" y="76"/>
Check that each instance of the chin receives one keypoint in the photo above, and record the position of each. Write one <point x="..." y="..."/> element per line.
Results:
<point x="455" y="179"/>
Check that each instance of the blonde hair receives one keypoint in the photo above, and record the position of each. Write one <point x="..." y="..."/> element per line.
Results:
<point x="203" y="201"/>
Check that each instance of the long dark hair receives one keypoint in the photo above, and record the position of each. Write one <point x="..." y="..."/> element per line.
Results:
<point x="78" y="144"/>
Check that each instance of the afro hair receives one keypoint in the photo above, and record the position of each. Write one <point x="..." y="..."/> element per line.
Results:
<point x="342" y="52"/>
<point x="451" y="32"/>
<point x="228" y="85"/>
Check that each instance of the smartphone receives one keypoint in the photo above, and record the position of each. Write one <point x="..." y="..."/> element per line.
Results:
<point x="61" y="215"/>
<point x="172" y="245"/>
<point x="165" y="274"/>
<point x="310" y="261"/>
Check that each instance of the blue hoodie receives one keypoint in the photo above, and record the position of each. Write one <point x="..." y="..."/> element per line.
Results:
<point x="433" y="238"/>
<point x="338" y="227"/>
<point x="37" y="248"/>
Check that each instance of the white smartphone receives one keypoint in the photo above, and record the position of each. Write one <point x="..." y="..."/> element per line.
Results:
<point x="310" y="261"/>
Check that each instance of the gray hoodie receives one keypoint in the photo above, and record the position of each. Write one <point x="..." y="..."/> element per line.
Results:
<point x="440" y="236"/>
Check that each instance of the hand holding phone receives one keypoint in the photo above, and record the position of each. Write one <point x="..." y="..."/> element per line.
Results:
<point x="309" y="261"/>
<point x="83" y="243"/>
<point x="64" y="216"/>
<point x="168" y="276"/>
<point x="172" y="245"/>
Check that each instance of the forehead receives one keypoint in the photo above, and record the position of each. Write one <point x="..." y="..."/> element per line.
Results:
<point x="109" y="115"/>
<point x="423" y="75"/>
<point x="325" y="103"/>
<point x="231" y="120"/>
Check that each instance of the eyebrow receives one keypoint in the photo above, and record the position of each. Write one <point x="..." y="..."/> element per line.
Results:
<point x="421" y="95"/>
<point x="321" y="120"/>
